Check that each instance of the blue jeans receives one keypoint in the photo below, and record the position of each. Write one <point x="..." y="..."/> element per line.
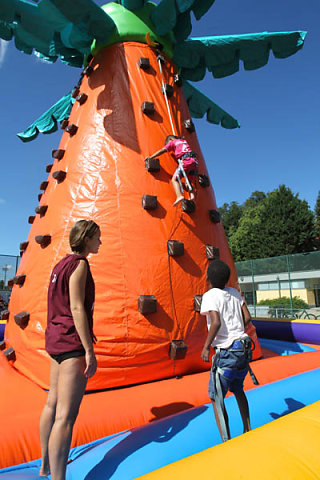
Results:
<point x="235" y="365"/>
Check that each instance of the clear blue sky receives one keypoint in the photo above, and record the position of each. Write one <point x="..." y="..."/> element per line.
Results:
<point x="277" y="106"/>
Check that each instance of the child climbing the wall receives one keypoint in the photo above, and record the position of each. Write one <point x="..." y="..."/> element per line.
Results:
<point x="182" y="152"/>
<point x="227" y="315"/>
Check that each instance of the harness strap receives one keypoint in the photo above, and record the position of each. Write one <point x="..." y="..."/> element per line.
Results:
<point x="221" y="409"/>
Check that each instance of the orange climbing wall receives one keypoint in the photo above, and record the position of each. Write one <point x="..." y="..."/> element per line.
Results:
<point x="105" y="181"/>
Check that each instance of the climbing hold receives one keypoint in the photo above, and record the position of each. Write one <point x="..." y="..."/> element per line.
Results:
<point x="58" y="154"/>
<point x="214" y="216"/>
<point x="147" y="304"/>
<point x="203" y="180"/>
<point x="49" y="167"/>
<point x="2" y="345"/>
<point x="175" y="248"/>
<point x="10" y="283"/>
<point x="88" y="70"/>
<point x="43" y="240"/>
<point x="188" y="206"/>
<point x="144" y="63"/>
<point x="22" y="319"/>
<point x="75" y="91"/>
<point x="71" y="129"/>
<point x="59" y="175"/>
<point x="41" y="209"/>
<point x="177" y="80"/>
<point x="189" y="125"/>
<point x="44" y="185"/>
<point x="23" y="246"/>
<point x="19" y="280"/>
<point x="82" y="98"/>
<point x="197" y="299"/>
<point x="152" y="164"/>
<point x="39" y="196"/>
<point x="10" y="354"/>
<point x="149" y="202"/>
<point x="177" y="349"/>
<point x="168" y="89"/>
<point x="31" y="219"/>
<point x="64" y="123"/>
<point x="212" y="252"/>
<point x="4" y="315"/>
<point x="148" y="108"/>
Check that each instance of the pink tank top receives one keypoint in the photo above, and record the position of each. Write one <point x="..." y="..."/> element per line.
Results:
<point x="61" y="335"/>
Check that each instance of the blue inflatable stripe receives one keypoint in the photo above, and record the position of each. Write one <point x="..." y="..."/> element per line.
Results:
<point x="136" y="452"/>
<point x="284" y="348"/>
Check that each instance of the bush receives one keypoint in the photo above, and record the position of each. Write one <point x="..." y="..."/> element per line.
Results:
<point x="297" y="303"/>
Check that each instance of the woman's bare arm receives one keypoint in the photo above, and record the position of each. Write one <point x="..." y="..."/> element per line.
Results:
<point x="77" y="286"/>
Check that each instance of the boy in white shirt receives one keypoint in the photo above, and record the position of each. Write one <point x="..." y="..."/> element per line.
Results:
<point x="227" y="315"/>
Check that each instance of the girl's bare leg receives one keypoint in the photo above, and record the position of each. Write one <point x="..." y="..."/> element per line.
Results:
<point x="71" y="387"/>
<point x="47" y="418"/>
<point x="177" y="191"/>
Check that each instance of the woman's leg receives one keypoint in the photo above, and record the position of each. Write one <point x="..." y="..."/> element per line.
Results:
<point x="47" y="418"/>
<point x="71" y="387"/>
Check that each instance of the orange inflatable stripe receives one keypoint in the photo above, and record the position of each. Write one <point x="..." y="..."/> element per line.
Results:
<point x="105" y="413"/>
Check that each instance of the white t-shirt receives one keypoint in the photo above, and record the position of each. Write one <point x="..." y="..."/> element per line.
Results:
<point x="227" y="303"/>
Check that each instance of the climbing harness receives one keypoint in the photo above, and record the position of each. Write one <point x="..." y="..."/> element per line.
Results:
<point x="245" y="345"/>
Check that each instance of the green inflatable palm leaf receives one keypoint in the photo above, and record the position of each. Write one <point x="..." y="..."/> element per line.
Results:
<point x="221" y="55"/>
<point x="199" y="105"/>
<point x="48" y="121"/>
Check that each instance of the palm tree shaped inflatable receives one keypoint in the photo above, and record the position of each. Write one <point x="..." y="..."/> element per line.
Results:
<point x="132" y="93"/>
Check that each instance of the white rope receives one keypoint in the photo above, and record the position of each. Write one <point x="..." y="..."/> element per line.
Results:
<point x="173" y="130"/>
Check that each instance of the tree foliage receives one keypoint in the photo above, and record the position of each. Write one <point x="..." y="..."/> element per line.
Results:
<point x="268" y="225"/>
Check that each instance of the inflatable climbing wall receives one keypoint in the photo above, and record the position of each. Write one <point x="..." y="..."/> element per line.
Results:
<point x="151" y="266"/>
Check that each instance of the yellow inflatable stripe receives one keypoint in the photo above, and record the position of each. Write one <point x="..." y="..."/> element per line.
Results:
<point x="286" y="449"/>
<point x="286" y="320"/>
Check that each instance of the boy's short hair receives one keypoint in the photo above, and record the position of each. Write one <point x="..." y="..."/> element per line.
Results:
<point x="172" y="137"/>
<point x="218" y="274"/>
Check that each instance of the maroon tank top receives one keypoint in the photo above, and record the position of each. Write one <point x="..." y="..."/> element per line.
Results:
<point x="61" y="335"/>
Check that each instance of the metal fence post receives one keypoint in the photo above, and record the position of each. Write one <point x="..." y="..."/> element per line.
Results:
<point x="253" y="289"/>
<point x="290" y="290"/>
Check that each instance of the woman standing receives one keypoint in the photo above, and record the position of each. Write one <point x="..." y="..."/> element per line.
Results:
<point x="69" y="342"/>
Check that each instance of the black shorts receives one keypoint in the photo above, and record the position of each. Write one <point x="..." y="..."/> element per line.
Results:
<point x="64" y="356"/>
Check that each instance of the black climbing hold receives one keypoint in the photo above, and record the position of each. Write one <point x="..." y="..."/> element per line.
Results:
<point x="197" y="299"/>
<point x="203" y="180"/>
<point x="22" y="319"/>
<point x="152" y="164"/>
<point x="144" y="63"/>
<point x="59" y="175"/>
<point x="149" y="202"/>
<point x="168" y="89"/>
<point x="188" y="206"/>
<point x="175" y="248"/>
<point x="214" y="216"/>
<point x="147" y="304"/>
<point x="212" y="252"/>
<point x="188" y="125"/>
<point x="58" y="154"/>
<point x="43" y="240"/>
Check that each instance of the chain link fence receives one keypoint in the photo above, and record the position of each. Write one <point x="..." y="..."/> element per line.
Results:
<point x="287" y="286"/>
<point x="8" y="267"/>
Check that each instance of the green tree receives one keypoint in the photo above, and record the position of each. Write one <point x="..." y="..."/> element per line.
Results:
<point x="255" y="198"/>
<point x="317" y="222"/>
<point x="230" y="216"/>
<point x="280" y="224"/>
